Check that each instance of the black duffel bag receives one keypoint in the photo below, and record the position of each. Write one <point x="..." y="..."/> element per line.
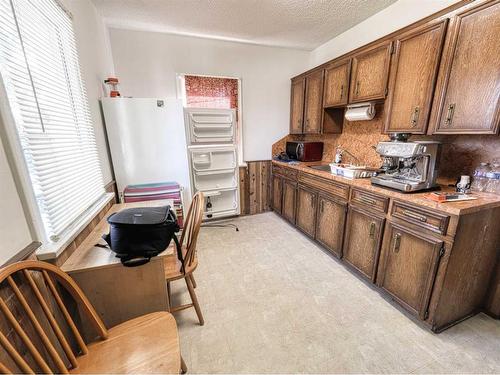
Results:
<point x="137" y="234"/>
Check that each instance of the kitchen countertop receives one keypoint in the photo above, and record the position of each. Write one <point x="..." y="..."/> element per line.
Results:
<point x="484" y="200"/>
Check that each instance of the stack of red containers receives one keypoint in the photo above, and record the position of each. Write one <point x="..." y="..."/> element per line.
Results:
<point x="156" y="191"/>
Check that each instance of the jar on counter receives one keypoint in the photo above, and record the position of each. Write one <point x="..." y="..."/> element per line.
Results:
<point x="480" y="180"/>
<point x="493" y="179"/>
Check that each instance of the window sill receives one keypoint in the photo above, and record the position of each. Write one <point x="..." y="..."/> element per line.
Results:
<point x="50" y="251"/>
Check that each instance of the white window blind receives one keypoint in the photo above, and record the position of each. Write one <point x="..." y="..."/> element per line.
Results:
<point x="41" y="74"/>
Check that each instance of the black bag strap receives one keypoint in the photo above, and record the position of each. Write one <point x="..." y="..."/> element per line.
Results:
<point x="179" y="251"/>
<point x="134" y="261"/>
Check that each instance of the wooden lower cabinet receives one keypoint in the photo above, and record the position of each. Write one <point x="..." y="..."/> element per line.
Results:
<point x="362" y="241"/>
<point x="288" y="202"/>
<point x="306" y="210"/>
<point x="330" y="223"/>
<point x="408" y="267"/>
<point x="277" y="186"/>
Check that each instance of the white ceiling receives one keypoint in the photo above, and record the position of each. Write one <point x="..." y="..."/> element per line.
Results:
<point x="303" y="24"/>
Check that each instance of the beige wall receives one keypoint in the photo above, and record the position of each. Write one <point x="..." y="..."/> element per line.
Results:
<point x="396" y="16"/>
<point x="147" y="63"/>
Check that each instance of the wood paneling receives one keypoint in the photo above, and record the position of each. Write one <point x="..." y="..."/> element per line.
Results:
<point x="370" y="71"/>
<point x="313" y="109"/>
<point x="297" y="105"/>
<point x="413" y="73"/>
<point x="255" y="187"/>
<point x="468" y="88"/>
<point x="362" y="241"/>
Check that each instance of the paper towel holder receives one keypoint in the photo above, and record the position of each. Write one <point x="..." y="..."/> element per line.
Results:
<point x="360" y="111"/>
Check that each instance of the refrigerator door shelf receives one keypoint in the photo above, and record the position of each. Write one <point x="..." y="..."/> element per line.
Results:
<point x="224" y="203"/>
<point x="217" y="159"/>
<point x="207" y="126"/>
<point x="215" y="180"/>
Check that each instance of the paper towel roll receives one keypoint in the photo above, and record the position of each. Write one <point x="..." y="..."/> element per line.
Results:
<point x="359" y="112"/>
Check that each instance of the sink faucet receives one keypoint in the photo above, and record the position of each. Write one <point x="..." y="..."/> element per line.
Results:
<point x="341" y="151"/>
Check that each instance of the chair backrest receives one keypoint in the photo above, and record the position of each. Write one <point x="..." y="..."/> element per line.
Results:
<point x="192" y="226"/>
<point x="34" y="292"/>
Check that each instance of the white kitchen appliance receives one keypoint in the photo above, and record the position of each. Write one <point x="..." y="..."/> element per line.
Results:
<point x="211" y="139"/>
<point x="147" y="141"/>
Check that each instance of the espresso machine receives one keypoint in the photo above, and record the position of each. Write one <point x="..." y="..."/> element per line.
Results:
<point x="408" y="166"/>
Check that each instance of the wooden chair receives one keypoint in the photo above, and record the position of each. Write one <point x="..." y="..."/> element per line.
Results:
<point x="43" y="336"/>
<point x="173" y="266"/>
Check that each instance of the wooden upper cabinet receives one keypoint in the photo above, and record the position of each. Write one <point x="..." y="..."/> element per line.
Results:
<point x="330" y="224"/>
<point x="468" y="88"/>
<point x="413" y="73"/>
<point x="306" y="210"/>
<point x="362" y="241"/>
<point x="277" y="183"/>
<point x="336" y="84"/>
<point x="297" y="105"/>
<point x="288" y="201"/>
<point x="408" y="267"/>
<point x="313" y="108"/>
<point x="370" y="71"/>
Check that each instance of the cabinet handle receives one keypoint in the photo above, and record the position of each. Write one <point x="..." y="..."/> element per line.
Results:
<point x="414" y="215"/>
<point x="397" y="242"/>
<point x="414" y="116"/>
<point x="341" y="91"/>
<point x="321" y="206"/>
<point x="449" y="116"/>
<point x="357" y="88"/>
<point x="367" y="200"/>
<point x="372" y="229"/>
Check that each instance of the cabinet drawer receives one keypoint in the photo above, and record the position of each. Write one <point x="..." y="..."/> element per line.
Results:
<point x="285" y="172"/>
<point x="433" y="221"/>
<point x="322" y="184"/>
<point x="369" y="201"/>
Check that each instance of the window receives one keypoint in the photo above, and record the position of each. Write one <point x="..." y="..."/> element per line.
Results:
<point x="48" y="103"/>
<point x="211" y="92"/>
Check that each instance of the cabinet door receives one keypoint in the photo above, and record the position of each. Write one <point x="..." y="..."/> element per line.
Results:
<point x="306" y="210"/>
<point x="336" y="84"/>
<point x="408" y="267"/>
<point x="288" y="203"/>
<point x="412" y="78"/>
<point x="331" y="222"/>
<point x="297" y="105"/>
<point x="362" y="241"/>
<point x="370" y="72"/>
<point x="468" y="90"/>
<point x="313" y="104"/>
<point x="277" y="191"/>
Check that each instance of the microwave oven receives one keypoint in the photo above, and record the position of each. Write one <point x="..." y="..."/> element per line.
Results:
<point x="305" y="151"/>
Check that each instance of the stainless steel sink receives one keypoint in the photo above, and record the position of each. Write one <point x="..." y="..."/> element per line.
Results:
<point x="325" y="168"/>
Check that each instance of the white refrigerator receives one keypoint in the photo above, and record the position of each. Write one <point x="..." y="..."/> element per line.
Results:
<point x="147" y="142"/>
<point x="213" y="157"/>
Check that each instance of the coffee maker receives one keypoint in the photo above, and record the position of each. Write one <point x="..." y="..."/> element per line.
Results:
<point x="408" y="166"/>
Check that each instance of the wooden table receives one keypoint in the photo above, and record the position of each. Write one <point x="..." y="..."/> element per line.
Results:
<point x="118" y="293"/>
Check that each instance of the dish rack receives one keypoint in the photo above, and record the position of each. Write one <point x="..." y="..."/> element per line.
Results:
<point x="353" y="171"/>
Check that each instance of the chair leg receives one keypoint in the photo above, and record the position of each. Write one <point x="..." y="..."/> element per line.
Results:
<point x="191" y="276"/>
<point x="184" y="368"/>
<point x="195" y="300"/>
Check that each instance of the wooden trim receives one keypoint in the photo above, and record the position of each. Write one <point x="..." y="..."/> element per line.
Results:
<point x="23" y="254"/>
<point x="444" y="13"/>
